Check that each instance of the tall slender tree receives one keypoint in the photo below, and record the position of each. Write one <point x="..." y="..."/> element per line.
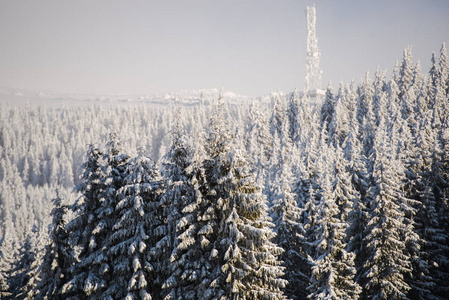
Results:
<point x="183" y="172"/>
<point x="95" y="216"/>
<point x="387" y="262"/>
<point x="58" y="257"/>
<point x="244" y="260"/>
<point x="290" y="237"/>
<point x="333" y="270"/>
<point x="137" y="241"/>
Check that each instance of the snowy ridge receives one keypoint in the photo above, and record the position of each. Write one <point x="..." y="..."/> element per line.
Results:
<point x="21" y="97"/>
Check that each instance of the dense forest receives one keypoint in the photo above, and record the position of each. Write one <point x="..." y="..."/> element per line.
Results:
<point x="265" y="200"/>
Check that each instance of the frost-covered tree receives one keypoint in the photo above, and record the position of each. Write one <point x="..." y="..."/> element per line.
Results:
<point x="364" y="99"/>
<point x="333" y="270"/>
<point x="409" y="205"/>
<point x="294" y="115"/>
<point x="339" y="125"/>
<point x="305" y="120"/>
<point x="139" y="236"/>
<point x="444" y="68"/>
<point x="439" y="177"/>
<point x="95" y="216"/>
<point x="4" y="287"/>
<point x="32" y="276"/>
<point x="431" y="236"/>
<point x="279" y="113"/>
<point x="286" y="216"/>
<point x="24" y="272"/>
<point x="379" y="97"/>
<point x="327" y="109"/>
<point x="237" y="237"/>
<point x="386" y="262"/>
<point x="85" y="229"/>
<point x="343" y="191"/>
<point x="258" y="138"/>
<point x="406" y="74"/>
<point x="433" y="79"/>
<point x="14" y="198"/>
<point x="357" y="216"/>
<point x="8" y="255"/>
<point x="58" y="257"/>
<point x="183" y="173"/>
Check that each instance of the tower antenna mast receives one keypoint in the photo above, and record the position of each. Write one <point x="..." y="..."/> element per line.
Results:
<point x="313" y="72"/>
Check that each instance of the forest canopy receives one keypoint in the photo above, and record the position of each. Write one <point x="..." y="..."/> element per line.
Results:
<point x="263" y="200"/>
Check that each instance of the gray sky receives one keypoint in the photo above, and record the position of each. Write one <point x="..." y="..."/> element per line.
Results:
<point x="250" y="47"/>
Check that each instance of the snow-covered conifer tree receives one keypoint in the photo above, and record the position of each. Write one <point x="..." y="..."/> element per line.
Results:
<point x="28" y="290"/>
<point x="379" y="96"/>
<point x="244" y="260"/>
<point x="333" y="270"/>
<point x="24" y="277"/>
<point x="360" y="180"/>
<point x="95" y="216"/>
<point x="85" y="228"/>
<point x="340" y="124"/>
<point x="286" y="216"/>
<point x="183" y="172"/>
<point x="406" y="71"/>
<point x="305" y="120"/>
<point x="327" y="112"/>
<point x="293" y="114"/>
<point x="8" y="254"/>
<point x="364" y="98"/>
<point x="351" y="101"/>
<point x="439" y="178"/>
<point x="139" y="235"/>
<point x="279" y="113"/>
<point x="444" y="68"/>
<point x="386" y="262"/>
<point x="58" y="257"/>
<point x="258" y="139"/>
<point x="433" y="79"/>
<point x="426" y="221"/>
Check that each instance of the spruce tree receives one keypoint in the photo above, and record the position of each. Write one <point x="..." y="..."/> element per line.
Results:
<point x="444" y="69"/>
<point x="327" y="109"/>
<point x="357" y="216"/>
<point x="423" y="281"/>
<point x="58" y="257"/>
<point x="339" y="125"/>
<point x="33" y="277"/>
<point x="286" y="216"/>
<point x="8" y="254"/>
<point x="139" y="235"/>
<point x="279" y="114"/>
<point x="293" y="114"/>
<point x="183" y="173"/>
<point x="364" y="98"/>
<point x="440" y="177"/>
<point x="95" y="216"/>
<point x="386" y="262"/>
<point x="406" y="70"/>
<point x="258" y="139"/>
<point x="85" y="230"/>
<point x="239" y="232"/>
<point x="24" y="277"/>
<point x="433" y="79"/>
<point x="333" y="270"/>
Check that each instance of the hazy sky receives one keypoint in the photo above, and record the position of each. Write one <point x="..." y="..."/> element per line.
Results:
<point x="250" y="47"/>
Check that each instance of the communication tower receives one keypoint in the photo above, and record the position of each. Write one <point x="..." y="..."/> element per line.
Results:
<point x="313" y="72"/>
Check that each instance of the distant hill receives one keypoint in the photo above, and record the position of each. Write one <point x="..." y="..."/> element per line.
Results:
<point x="21" y="97"/>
